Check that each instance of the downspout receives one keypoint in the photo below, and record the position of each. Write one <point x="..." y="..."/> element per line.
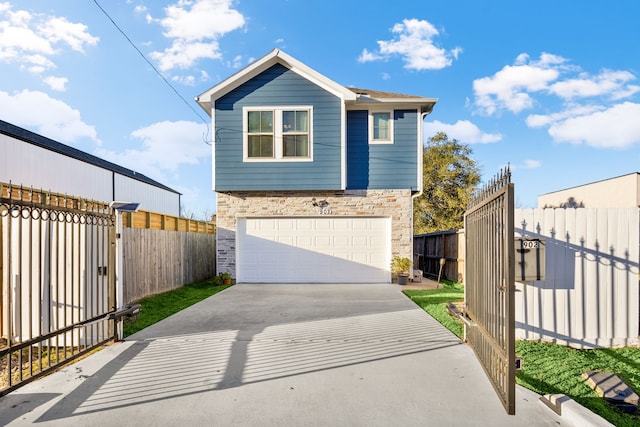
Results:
<point x="420" y="157"/>
<point x="420" y="170"/>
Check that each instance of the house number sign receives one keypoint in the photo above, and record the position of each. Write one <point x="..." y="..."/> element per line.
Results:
<point x="325" y="211"/>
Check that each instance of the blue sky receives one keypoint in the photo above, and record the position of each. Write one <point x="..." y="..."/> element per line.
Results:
<point x="553" y="88"/>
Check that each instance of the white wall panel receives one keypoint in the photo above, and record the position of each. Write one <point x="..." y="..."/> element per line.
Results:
<point x="22" y="163"/>
<point x="30" y="165"/>
<point x="151" y="198"/>
<point x="590" y="296"/>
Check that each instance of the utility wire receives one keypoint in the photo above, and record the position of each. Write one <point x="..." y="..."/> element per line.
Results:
<point x="151" y="65"/>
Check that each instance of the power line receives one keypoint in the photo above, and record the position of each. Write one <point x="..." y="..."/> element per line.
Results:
<point x="151" y="64"/>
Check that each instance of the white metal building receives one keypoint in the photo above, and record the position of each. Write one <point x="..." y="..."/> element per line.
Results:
<point x="32" y="160"/>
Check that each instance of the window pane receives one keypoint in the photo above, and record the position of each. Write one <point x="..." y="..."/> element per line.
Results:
<point x="289" y="146"/>
<point x="295" y="121"/>
<point x="253" y="120"/>
<point x="381" y="126"/>
<point x="302" y="146"/>
<point x="266" y="146"/>
<point x="260" y="121"/>
<point x="260" y="146"/>
<point x="302" y="121"/>
<point x="296" y="146"/>
<point x="266" y="121"/>
<point x="288" y="121"/>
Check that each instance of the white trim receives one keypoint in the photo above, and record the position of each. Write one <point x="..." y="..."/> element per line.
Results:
<point x="343" y="147"/>
<point x="370" y="126"/>
<point x="420" y="157"/>
<point x="278" y="149"/>
<point x="213" y="150"/>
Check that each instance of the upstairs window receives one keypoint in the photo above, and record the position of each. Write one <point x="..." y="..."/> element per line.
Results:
<point x="381" y="127"/>
<point x="260" y="134"/>
<point x="295" y="133"/>
<point x="277" y="133"/>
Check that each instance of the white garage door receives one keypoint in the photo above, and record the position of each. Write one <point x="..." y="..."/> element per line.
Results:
<point x="313" y="250"/>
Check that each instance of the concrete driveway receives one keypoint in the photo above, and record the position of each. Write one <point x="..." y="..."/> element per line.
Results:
<point x="279" y="355"/>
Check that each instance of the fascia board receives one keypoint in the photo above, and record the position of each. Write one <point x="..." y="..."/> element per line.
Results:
<point x="425" y="105"/>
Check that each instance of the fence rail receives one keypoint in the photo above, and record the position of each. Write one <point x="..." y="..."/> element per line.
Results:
<point x="157" y="221"/>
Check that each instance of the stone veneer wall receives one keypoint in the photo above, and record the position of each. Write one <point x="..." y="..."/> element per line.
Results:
<point x="396" y="204"/>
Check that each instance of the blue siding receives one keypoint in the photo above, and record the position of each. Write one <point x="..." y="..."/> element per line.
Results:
<point x="278" y="86"/>
<point x="382" y="166"/>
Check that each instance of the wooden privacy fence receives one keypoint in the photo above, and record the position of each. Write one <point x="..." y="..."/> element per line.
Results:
<point x="430" y="248"/>
<point x="163" y="252"/>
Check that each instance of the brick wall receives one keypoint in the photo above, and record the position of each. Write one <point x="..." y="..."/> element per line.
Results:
<point x="395" y="204"/>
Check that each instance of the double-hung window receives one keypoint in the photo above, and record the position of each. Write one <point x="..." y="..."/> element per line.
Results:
<point x="381" y="127"/>
<point x="277" y="133"/>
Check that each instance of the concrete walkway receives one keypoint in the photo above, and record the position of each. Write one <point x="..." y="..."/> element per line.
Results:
<point x="279" y="355"/>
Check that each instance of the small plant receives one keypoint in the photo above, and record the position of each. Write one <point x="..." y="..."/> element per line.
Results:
<point x="226" y="278"/>
<point x="400" y="266"/>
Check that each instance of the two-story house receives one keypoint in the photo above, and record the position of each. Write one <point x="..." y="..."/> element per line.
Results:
<point x="314" y="180"/>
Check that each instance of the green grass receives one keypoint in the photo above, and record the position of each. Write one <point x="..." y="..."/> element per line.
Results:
<point x="550" y="368"/>
<point x="161" y="306"/>
<point x="435" y="301"/>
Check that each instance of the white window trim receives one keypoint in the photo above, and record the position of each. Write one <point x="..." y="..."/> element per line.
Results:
<point x="391" y="120"/>
<point x="278" y="155"/>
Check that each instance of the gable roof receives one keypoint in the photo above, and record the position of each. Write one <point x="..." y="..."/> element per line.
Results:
<point x="57" y="147"/>
<point x="276" y="56"/>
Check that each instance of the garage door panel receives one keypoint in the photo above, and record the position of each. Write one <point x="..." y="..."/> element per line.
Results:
<point x="320" y="250"/>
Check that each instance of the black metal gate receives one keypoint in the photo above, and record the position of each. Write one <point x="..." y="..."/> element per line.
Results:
<point x="58" y="281"/>
<point x="489" y="284"/>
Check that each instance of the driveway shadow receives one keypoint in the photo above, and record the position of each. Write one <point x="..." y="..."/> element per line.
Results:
<point x="288" y="333"/>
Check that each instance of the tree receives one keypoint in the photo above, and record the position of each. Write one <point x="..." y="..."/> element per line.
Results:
<point x="450" y="176"/>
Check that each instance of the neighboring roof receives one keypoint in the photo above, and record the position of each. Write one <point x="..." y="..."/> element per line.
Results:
<point x="368" y="96"/>
<point x="352" y="96"/>
<point x="49" y="144"/>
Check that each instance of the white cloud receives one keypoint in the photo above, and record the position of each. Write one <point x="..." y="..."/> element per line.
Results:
<point x="614" y="127"/>
<point x="531" y="164"/>
<point x="367" y="56"/>
<point x="195" y="26"/>
<point x="515" y="87"/>
<point x="414" y="42"/>
<point x="50" y="117"/>
<point x="510" y="87"/>
<point x="463" y="131"/>
<point x="607" y="83"/>
<point x="56" y="83"/>
<point x="31" y="40"/>
<point x="165" y="146"/>
<point x="540" y="120"/>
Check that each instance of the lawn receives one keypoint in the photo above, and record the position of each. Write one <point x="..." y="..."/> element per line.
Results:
<point x="161" y="306"/>
<point x="550" y="368"/>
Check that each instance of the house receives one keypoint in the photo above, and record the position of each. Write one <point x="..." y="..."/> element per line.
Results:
<point x="314" y="180"/>
<point x="618" y="192"/>
<point x="32" y="160"/>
